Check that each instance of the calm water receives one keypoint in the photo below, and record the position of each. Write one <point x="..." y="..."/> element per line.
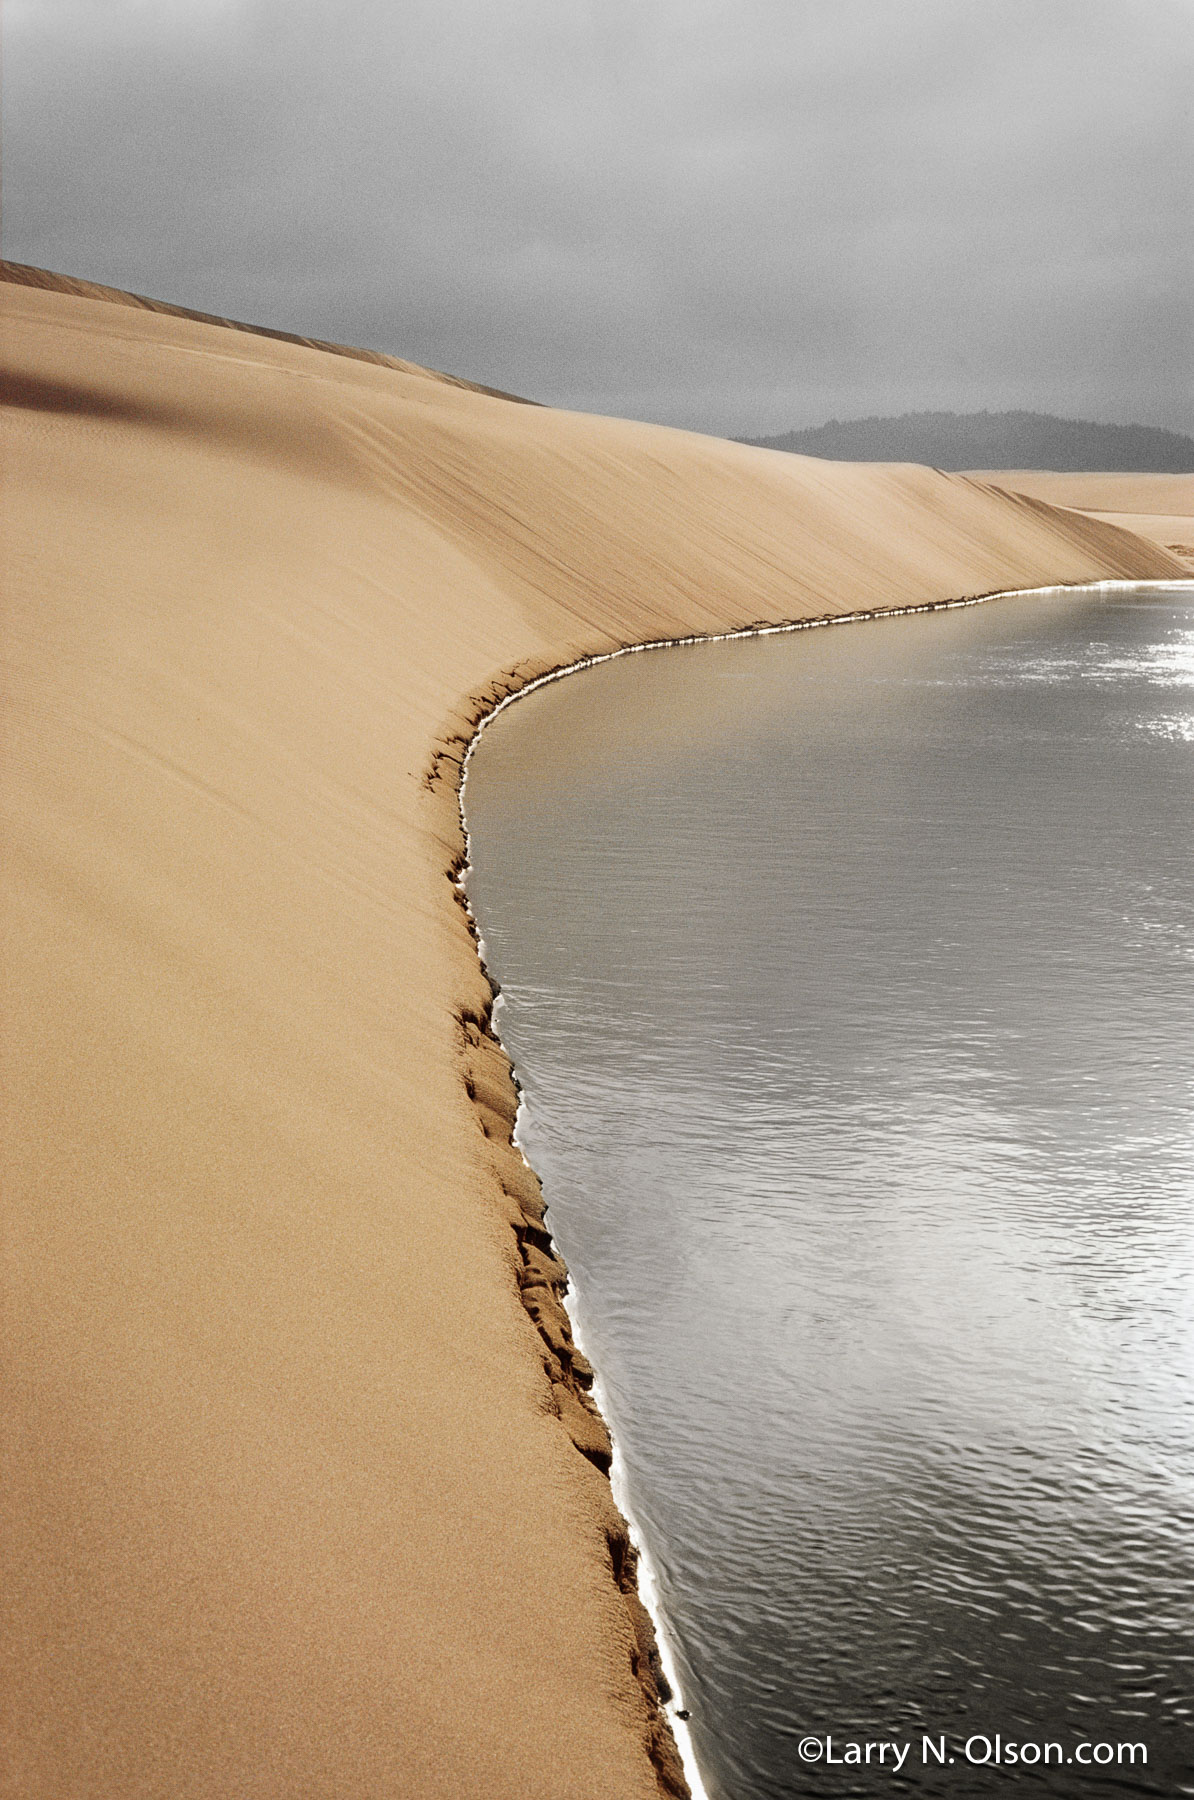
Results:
<point x="850" y="979"/>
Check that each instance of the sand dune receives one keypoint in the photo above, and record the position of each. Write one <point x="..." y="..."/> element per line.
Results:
<point x="1107" y="492"/>
<point x="25" y="275"/>
<point x="293" y="1503"/>
<point x="1173" y="531"/>
<point x="1157" y="507"/>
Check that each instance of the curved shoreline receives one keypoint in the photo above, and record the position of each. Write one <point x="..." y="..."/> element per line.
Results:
<point x="272" y="1364"/>
<point x="663" y="1696"/>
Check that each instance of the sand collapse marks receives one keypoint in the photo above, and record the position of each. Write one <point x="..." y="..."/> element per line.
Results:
<point x="492" y="1086"/>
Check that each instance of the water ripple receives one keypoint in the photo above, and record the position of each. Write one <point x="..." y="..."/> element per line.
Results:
<point x="849" y="978"/>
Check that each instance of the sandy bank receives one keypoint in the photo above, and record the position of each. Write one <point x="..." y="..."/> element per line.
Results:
<point x="1157" y="507"/>
<point x="293" y="1499"/>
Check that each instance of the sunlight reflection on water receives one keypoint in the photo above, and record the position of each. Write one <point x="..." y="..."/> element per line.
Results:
<point x="849" y="980"/>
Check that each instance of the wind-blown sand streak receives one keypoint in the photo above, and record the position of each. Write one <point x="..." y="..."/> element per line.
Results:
<point x="1157" y="507"/>
<point x="302" y="1496"/>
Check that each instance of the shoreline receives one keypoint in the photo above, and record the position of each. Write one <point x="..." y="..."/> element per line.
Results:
<point x="272" y="1363"/>
<point x="665" y="1697"/>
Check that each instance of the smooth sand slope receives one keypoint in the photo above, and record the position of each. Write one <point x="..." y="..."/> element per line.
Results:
<point x="1157" y="507"/>
<point x="292" y="1498"/>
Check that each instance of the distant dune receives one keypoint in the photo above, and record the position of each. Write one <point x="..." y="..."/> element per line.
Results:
<point x="1007" y="440"/>
<point x="1159" y="507"/>
<point x="303" y="1494"/>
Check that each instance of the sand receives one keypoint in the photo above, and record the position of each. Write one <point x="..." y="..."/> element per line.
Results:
<point x="293" y="1503"/>
<point x="1157" y="507"/>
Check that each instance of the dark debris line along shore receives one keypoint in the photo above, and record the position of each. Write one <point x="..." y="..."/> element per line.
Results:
<point x="492" y="1086"/>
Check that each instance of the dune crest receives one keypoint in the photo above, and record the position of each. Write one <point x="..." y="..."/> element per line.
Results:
<point x="1157" y="507"/>
<point x="302" y="1494"/>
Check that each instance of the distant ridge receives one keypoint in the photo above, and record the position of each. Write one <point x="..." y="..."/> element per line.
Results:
<point x="987" y="440"/>
<point x="27" y="275"/>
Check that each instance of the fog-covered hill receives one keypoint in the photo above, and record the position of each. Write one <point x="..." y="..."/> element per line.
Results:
<point x="986" y="440"/>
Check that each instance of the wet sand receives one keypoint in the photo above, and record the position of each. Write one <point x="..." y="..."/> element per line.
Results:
<point x="876" y="1209"/>
<point x="302" y="1496"/>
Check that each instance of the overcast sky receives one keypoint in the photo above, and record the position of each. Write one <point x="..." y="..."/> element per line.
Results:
<point x="736" y="215"/>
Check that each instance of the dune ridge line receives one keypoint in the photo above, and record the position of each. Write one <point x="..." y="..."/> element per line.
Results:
<point x="305" y="1495"/>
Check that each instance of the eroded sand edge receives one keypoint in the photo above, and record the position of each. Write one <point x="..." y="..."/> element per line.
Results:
<point x="289" y="1509"/>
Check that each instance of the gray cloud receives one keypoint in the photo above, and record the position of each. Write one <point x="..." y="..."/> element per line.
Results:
<point x="737" y="217"/>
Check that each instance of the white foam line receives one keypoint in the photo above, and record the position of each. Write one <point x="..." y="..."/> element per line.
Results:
<point x="648" y="1582"/>
<point x="753" y="631"/>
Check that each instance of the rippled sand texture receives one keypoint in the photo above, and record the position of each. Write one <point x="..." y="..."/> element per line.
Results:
<point x="1159" y="507"/>
<point x="291" y="1506"/>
